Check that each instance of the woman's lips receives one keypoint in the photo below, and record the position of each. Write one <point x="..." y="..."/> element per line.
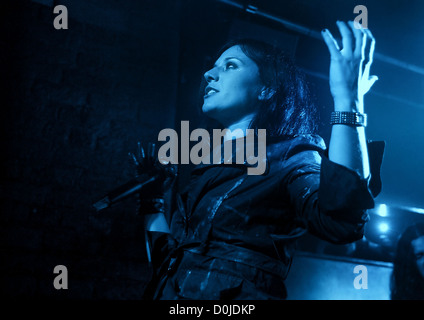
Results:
<point x="209" y="91"/>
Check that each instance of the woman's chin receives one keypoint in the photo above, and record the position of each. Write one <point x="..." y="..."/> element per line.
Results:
<point x="209" y="111"/>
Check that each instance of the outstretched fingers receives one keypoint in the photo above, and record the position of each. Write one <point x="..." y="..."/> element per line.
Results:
<point x="360" y="39"/>
<point x="347" y="38"/>
<point x="134" y="158"/>
<point x="369" y="51"/>
<point x="331" y="43"/>
<point x="140" y="151"/>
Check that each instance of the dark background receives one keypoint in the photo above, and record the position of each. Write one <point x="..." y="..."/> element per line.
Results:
<point x="76" y="101"/>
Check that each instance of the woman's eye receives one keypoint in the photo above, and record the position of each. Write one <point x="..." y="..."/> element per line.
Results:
<point x="230" y="65"/>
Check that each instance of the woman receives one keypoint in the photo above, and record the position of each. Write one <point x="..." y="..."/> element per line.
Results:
<point x="407" y="282"/>
<point x="233" y="234"/>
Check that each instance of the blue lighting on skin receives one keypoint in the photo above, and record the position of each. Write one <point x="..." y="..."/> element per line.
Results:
<point x="382" y="210"/>
<point x="383" y="227"/>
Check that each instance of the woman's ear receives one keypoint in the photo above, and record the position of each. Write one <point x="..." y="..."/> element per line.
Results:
<point x="266" y="94"/>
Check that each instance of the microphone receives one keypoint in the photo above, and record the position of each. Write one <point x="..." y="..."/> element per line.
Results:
<point x="123" y="192"/>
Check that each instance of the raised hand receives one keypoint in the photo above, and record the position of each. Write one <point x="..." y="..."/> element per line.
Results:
<point x="350" y="65"/>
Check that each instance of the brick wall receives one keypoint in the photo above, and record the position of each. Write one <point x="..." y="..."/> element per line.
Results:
<point x="75" y="102"/>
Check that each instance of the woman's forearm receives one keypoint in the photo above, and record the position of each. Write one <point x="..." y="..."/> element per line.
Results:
<point x="348" y="147"/>
<point x="350" y="80"/>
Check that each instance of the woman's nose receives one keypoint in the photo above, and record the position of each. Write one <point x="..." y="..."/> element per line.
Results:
<point x="211" y="75"/>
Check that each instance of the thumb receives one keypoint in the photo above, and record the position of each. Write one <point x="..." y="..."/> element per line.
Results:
<point x="373" y="79"/>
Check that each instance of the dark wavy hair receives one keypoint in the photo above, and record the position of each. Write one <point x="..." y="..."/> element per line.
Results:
<point x="290" y="110"/>
<point x="406" y="281"/>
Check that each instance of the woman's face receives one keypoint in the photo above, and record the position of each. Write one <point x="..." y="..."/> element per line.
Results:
<point x="418" y="246"/>
<point x="233" y="87"/>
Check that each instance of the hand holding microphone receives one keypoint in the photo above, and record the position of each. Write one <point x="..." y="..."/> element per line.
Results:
<point x="151" y="200"/>
<point x="151" y="180"/>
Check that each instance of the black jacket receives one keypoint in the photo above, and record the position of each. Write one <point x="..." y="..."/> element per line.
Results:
<point x="229" y="219"/>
